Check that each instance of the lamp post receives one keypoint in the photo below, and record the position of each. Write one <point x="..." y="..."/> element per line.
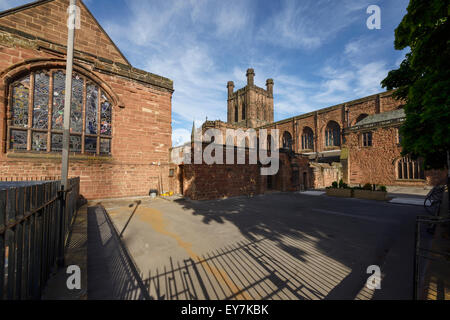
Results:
<point x="68" y="93"/>
<point x="71" y="24"/>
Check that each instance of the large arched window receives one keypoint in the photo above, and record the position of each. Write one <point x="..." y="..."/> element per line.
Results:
<point x="236" y="113"/>
<point x="332" y="134"/>
<point x="243" y="111"/>
<point x="37" y="110"/>
<point x="307" y="139"/>
<point x="287" y="140"/>
<point x="409" y="169"/>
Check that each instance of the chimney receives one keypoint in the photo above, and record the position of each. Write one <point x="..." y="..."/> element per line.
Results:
<point x="269" y="85"/>
<point x="250" y="77"/>
<point x="230" y="86"/>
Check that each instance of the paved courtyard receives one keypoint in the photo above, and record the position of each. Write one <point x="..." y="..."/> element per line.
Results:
<point x="273" y="246"/>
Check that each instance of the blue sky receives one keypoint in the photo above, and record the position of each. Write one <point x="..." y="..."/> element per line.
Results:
<point x="319" y="52"/>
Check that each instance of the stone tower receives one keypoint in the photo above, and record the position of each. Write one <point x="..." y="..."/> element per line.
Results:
<point x="250" y="106"/>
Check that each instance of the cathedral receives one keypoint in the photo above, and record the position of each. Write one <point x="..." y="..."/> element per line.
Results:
<point x="121" y="123"/>
<point x="357" y="141"/>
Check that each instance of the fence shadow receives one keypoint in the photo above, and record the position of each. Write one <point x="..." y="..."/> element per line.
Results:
<point x="112" y="273"/>
<point x="249" y="270"/>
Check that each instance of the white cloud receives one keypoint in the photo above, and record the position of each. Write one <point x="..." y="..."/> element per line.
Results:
<point x="180" y="136"/>
<point x="202" y="44"/>
<point x="310" y="23"/>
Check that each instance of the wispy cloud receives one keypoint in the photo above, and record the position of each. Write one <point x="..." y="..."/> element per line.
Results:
<point x="309" y="24"/>
<point x="203" y="44"/>
<point x="318" y="52"/>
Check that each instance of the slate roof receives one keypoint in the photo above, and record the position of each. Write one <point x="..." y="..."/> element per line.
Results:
<point x="381" y="117"/>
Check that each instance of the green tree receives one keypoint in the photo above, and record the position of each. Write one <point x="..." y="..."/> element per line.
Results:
<point x="423" y="80"/>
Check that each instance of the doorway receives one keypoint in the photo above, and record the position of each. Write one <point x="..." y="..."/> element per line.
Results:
<point x="305" y="180"/>
<point x="269" y="182"/>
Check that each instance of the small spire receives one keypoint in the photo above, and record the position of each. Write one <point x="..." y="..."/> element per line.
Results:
<point x="193" y="130"/>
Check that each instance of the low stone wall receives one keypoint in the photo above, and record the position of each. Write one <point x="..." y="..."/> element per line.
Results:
<point x="336" y="192"/>
<point x="323" y="174"/>
<point x="369" y="194"/>
<point x="204" y="182"/>
<point x="99" y="178"/>
<point x="355" y="193"/>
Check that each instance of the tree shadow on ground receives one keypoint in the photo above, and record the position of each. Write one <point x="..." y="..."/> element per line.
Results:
<point x="288" y="252"/>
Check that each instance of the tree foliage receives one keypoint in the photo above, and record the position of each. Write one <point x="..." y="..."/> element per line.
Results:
<point x="423" y="80"/>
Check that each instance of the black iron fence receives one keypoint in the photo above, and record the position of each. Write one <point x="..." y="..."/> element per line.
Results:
<point x="426" y="253"/>
<point x="35" y="219"/>
<point x="429" y="246"/>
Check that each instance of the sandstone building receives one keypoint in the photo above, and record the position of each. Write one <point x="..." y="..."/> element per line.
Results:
<point x="120" y="119"/>
<point x="120" y="141"/>
<point x="357" y="141"/>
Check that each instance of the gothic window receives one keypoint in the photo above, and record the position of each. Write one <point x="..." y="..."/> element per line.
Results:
<point x="287" y="140"/>
<point x="243" y="111"/>
<point x="307" y="139"/>
<point x="37" y="108"/>
<point x="332" y="134"/>
<point x="409" y="169"/>
<point x="236" y="113"/>
<point x="367" y="139"/>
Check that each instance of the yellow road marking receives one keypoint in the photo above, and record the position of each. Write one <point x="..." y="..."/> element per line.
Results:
<point x="156" y="220"/>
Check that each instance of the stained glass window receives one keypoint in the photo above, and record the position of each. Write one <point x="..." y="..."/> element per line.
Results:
<point x="18" y="139"/>
<point x="57" y="142"/>
<point x="59" y="84"/>
<point x="40" y="103"/>
<point x="90" y="144"/>
<point x="75" y="143"/>
<point x="105" y="146"/>
<point x="91" y="108"/>
<point x="105" y="115"/>
<point x="39" y="141"/>
<point x="89" y="135"/>
<point x="20" y="96"/>
<point x="76" y="112"/>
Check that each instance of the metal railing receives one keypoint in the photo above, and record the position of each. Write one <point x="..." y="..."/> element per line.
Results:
<point x="424" y="252"/>
<point x="433" y="199"/>
<point x="35" y="219"/>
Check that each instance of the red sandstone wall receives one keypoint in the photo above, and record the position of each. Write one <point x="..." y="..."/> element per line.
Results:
<point x="376" y="164"/>
<point x="364" y="107"/>
<point x="323" y="175"/>
<point x="202" y="181"/>
<point x="388" y="103"/>
<point x="141" y="131"/>
<point x="373" y="164"/>
<point x="49" y="21"/>
<point x="141" y="140"/>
